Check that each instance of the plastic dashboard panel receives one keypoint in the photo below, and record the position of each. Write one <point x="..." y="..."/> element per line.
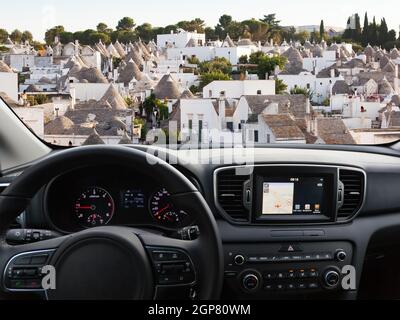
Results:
<point x="380" y="212"/>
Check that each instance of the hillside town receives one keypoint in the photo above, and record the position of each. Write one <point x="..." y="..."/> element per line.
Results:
<point x="190" y="87"/>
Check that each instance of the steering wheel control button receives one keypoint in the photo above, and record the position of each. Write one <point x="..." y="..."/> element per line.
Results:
<point x="239" y="260"/>
<point x="331" y="278"/>
<point x="24" y="271"/>
<point x="172" y="267"/>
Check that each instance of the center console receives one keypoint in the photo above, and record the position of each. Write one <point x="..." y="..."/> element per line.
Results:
<point x="294" y="203"/>
<point x="276" y="270"/>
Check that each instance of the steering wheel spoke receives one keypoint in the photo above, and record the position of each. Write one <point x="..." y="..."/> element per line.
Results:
<point x="24" y="265"/>
<point x="113" y="262"/>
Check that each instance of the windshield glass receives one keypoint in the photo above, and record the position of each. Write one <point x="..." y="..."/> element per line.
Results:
<point x="222" y="79"/>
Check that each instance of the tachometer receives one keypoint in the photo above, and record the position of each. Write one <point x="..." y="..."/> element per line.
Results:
<point x="94" y="207"/>
<point x="163" y="210"/>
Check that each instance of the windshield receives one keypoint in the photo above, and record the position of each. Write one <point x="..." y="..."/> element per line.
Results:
<point x="213" y="80"/>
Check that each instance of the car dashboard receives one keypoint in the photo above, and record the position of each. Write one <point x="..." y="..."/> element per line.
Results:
<point x="101" y="195"/>
<point x="291" y="219"/>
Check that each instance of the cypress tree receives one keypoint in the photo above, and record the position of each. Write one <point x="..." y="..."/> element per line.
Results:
<point x="365" y="32"/>
<point x="321" y="30"/>
<point x="357" y="32"/>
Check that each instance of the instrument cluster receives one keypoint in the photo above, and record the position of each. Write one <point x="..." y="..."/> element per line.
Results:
<point x="85" y="199"/>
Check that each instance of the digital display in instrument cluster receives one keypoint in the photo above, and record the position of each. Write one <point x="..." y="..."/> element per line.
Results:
<point x="133" y="199"/>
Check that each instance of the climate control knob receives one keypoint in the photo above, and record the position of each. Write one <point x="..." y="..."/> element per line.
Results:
<point x="251" y="282"/>
<point x="331" y="278"/>
<point x="341" y="255"/>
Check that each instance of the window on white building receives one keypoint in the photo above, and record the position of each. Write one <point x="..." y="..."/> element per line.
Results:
<point x="256" y="136"/>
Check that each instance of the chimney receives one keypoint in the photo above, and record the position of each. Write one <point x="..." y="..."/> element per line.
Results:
<point x="221" y="108"/>
<point x="72" y="92"/>
<point x="308" y="106"/>
<point x="332" y="73"/>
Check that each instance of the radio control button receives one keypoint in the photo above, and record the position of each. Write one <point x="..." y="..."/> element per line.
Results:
<point x="239" y="260"/>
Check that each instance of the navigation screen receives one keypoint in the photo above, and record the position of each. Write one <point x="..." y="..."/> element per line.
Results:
<point x="295" y="196"/>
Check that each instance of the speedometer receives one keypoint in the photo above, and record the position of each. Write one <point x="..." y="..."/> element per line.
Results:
<point x="163" y="211"/>
<point x="94" y="207"/>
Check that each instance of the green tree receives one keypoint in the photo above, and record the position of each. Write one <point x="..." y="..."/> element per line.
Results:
<point x="365" y="31"/>
<point x="102" y="27"/>
<point x="52" y="33"/>
<point x="193" y="25"/>
<point x="302" y="36"/>
<point x="124" y="36"/>
<point x="357" y="36"/>
<point x="27" y="36"/>
<point x="244" y="59"/>
<point x="373" y="33"/>
<point x="274" y="30"/>
<point x="222" y="28"/>
<point x="95" y="37"/>
<point x="3" y="35"/>
<point x="145" y="32"/>
<point x="258" y="30"/>
<point x="66" y="37"/>
<point x="266" y="65"/>
<point x="126" y="24"/>
<point x="16" y="36"/>
<point x="218" y="64"/>
<point x="280" y="86"/>
<point x="322" y="35"/>
<point x="210" y="33"/>
<point x="208" y="77"/>
<point x="383" y="31"/>
<point x="38" y="45"/>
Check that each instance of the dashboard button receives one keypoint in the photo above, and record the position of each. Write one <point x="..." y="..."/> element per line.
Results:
<point x="270" y="275"/>
<point x="313" y="285"/>
<point x="24" y="260"/>
<point x="239" y="260"/>
<point x="290" y="248"/>
<point x="253" y="259"/>
<point x="167" y="279"/>
<point x="301" y="286"/>
<point x="39" y="259"/>
<point x="291" y="286"/>
<point x="269" y="287"/>
<point x="280" y="287"/>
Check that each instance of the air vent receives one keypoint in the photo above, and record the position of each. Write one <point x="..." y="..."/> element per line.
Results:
<point x="230" y="194"/>
<point x="3" y="186"/>
<point x="18" y="223"/>
<point x="353" y="182"/>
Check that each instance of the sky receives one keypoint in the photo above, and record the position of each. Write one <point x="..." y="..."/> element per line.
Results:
<point x="39" y="15"/>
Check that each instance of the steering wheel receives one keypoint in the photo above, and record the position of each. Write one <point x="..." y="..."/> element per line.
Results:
<point x="111" y="262"/>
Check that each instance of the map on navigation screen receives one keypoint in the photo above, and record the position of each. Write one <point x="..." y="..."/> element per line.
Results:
<point x="277" y="198"/>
